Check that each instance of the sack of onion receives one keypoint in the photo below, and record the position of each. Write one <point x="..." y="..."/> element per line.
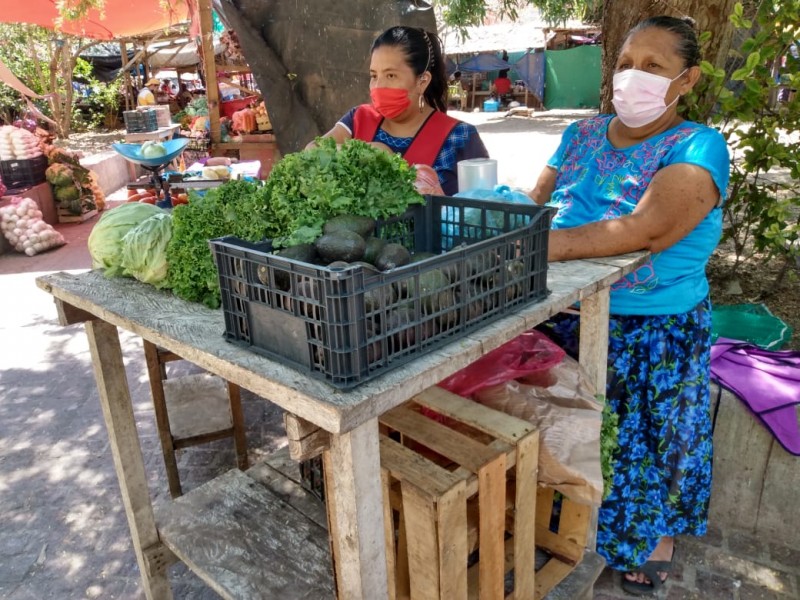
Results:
<point x="22" y="225"/>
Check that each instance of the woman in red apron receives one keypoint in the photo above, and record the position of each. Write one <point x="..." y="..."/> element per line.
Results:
<point x="408" y="88"/>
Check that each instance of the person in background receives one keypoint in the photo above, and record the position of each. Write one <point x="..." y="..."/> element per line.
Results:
<point x="147" y="95"/>
<point x="184" y="96"/>
<point x="457" y="90"/>
<point x="646" y="179"/>
<point x="408" y="88"/>
<point x="501" y="87"/>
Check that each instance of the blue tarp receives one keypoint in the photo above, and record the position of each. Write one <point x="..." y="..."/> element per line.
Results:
<point x="531" y="68"/>
<point x="482" y="63"/>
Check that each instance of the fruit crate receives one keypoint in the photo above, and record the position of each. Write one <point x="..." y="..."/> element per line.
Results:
<point x="349" y="325"/>
<point x="21" y="173"/>
<point x="140" y="121"/>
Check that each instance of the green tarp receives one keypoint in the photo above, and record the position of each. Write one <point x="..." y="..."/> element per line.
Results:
<point x="573" y="78"/>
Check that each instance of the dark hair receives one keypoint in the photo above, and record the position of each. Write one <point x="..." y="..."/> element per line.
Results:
<point x="683" y="29"/>
<point x="423" y="51"/>
<point x="503" y="73"/>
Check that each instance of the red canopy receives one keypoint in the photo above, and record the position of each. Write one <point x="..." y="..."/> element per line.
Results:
<point x="118" y="19"/>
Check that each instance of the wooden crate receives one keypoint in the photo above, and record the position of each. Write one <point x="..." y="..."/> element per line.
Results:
<point x="64" y="216"/>
<point x="455" y="487"/>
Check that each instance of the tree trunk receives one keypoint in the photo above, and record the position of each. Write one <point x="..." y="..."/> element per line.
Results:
<point x="311" y="60"/>
<point x="620" y="17"/>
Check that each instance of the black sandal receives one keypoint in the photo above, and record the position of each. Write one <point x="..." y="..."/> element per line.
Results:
<point x="650" y="569"/>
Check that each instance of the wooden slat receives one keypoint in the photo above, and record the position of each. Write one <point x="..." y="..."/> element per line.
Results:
<point x="69" y="315"/>
<point x="524" y="540"/>
<point x="389" y="535"/>
<point x="544" y="506"/>
<point x="406" y="465"/>
<point x="451" y="516"/>
<point x="574" y="521"/>
<point x="283" y="481"/>
<point x="560" y="547"/>
<point x="403" y="576"/>
<point x="549" y="576"/>
<point x="451" y="444"/>
<point x="492" y="510"/>
<point x="115" y="401"/>
<point x="494" y="422"/>
<point x="229" y="528"/>
<point x="423" y="545"/>
<point x="355" y="492"/>
<point x="306" y="440"/>
<point x="198" y="405"/>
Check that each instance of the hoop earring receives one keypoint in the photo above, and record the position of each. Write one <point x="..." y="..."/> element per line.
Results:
<point x="421" y="103"/>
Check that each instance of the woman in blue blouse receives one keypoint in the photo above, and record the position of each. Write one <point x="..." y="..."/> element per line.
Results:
<point x="646" y="179"/>
<point x="408" y="89"/>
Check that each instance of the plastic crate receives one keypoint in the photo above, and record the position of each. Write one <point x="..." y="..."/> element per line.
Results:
<point x="140" y="121"/>
<point x="349" y="325"/>
<point x="23" y="173"/>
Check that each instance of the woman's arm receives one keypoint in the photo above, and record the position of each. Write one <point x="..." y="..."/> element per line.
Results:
<point x="545" y="185"/>
<point x="678" y="199"/>
<point x="339" y="133"/>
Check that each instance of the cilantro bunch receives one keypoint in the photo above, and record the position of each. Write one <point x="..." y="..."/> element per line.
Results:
<point x="307" y="188"/>
<point x="609" y="433"/>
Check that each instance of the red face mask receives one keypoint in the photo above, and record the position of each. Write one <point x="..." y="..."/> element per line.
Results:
<point x="390" y="102"/>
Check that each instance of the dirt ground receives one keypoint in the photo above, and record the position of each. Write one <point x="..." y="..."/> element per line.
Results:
<point x="522" y="145"/>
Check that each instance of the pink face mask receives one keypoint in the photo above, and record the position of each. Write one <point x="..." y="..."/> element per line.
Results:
<point x="639" y="96"/>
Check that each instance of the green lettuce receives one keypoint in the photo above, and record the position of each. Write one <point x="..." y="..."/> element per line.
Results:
<point x="105" y="240"/>
<point x="144" y="250"/>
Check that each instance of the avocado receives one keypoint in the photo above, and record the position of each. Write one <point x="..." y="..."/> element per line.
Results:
<point x="341" y="245"/>
<point x="419" y="256"/>
<point x="301" y="252"/>
<point x="374" y="247"/>
<point x="392" y="256"/>
<point x="339" y="264"/>
<point x="363" y="226"/>
<point x="434" y="291"/>
<point x="379" y="297"/>
<point x="369" y="267"/>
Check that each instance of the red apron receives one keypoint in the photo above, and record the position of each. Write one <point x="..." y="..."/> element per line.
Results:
<point x="426" y="144"/>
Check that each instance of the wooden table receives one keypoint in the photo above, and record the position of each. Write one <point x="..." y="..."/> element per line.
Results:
<point x="351" y="418"/>
<point x="162" y="133"/>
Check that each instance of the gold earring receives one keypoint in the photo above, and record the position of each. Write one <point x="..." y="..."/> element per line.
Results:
<point x="421" y="102"/>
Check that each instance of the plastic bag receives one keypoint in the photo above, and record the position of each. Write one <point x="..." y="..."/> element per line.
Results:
<point x="753" y="323"/>
<point x="472" y="216"/>
<point x="22" y="225"/>
<point x="526" y="354"/>
<point x="569" y="420"/>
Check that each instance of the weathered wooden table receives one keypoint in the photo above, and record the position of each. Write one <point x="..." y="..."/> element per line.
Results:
<point x="355" y="501"/>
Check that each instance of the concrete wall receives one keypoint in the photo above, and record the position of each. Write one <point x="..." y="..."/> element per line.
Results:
<point x="113" y="171"/>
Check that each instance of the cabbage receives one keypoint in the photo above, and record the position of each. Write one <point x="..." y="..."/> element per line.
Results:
<point x="59" y="174"/>
<point x="144" y="250"/>
<point x="105" y="241"/>
<point x="151" y="149"/>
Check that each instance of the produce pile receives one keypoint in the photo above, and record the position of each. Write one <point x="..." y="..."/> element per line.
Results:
<point x="18" y="144"/>
<point x="75" y="187"/>
<point x="304" y="191"/>
<point x="22" y="225"/>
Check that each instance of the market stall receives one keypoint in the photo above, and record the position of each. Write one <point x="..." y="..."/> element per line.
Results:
<point x="350" y="417"/>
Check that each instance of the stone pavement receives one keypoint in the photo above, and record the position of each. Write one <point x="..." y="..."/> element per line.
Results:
<point x="63" y="532"/>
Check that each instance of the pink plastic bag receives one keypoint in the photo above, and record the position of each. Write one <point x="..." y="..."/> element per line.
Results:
<point x="531" y="352"/>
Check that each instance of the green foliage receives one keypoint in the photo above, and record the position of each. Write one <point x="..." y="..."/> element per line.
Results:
<point x="235" y="208"/>
<point x="463" y="13"/>
<point x="15" y="51"/>
<point x="609" y="434"/>
<point x="762" y="211"/>
<point x="307" y="188"/>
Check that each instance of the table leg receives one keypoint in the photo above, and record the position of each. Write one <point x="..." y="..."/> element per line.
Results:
<point x="356" y="512"/>
<point x="115" y="401"/>
<point x="594" y="359"/>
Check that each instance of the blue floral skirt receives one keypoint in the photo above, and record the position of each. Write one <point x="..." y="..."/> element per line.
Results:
<point x="658" y="384"/>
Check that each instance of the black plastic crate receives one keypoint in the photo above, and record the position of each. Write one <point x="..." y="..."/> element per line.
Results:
<point x="23" y="173"/>
<point x="350" y="325"/>
<point x="140" y="121"/>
